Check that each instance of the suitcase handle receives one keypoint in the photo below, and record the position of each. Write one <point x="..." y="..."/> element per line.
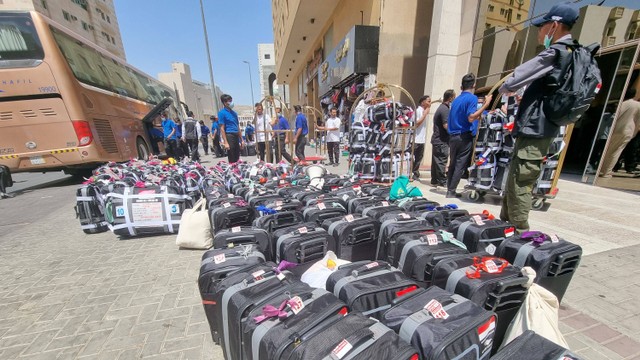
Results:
<point x="407" y="295"/>
<point x="369" y="267"/>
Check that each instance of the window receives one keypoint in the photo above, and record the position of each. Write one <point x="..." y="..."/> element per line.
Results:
<point x="81" y="3"/>
<point x="44" y="4"/>
<point x="85" y="26"/>
<point x="267" y="56"/>
<point x="501" y="11"/>
<point x="491" y="7"/>
<point x="519" y="17"/>
<point x="487" y="26"/>
<point x="108" y="19"/>
<point x="19" y="40"/>
<point x="66" y="15"/>
<point x="511" y="2"/>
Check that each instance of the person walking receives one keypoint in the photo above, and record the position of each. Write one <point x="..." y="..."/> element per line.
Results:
<point x="204" y="139"/>
<point x="332" y="127"/>
<point x="532" y="131"/>
<point x="263" y="133"/>
<point x="230" y="129"/>
<point x="302" y="129"/>
<point x="421" y="133"/>
<point x="182" y="148"/>
<point x="282" y="138"/>
<point x="169" y="132"/>
<point x="440" y="140"/>
<point x="215" y="136"/>
<point x="191" y="134"/>
<point x="626" y="128"/>
<point x="464" y="111"/>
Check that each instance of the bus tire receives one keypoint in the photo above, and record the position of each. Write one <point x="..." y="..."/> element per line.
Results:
<point x="143" y="149"/>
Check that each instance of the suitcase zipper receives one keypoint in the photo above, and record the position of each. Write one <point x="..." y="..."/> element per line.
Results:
<point x="405" y="283"/>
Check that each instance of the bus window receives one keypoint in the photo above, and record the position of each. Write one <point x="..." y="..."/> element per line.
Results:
<point x="19" y="42"/>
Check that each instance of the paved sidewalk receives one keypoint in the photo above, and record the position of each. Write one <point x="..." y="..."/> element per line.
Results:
<point x="67" y="295"/>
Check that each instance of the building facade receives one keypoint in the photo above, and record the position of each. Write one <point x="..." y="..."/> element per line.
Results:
<point x="506" y="13"/>
<point x="197" y="95"/>
<point x="94" y="20"/>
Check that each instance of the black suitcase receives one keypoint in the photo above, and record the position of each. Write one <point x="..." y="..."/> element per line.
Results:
<point x="284" y="205"/>
<point x="442" y="216"/>
<point x="390" y="229"/>
<point x="229" y="198"/>
<point x="325" y="198"/>
<point x="307" y="194"/>
<point x="376" y="212"/>
<point x="442" y="325"/>
<point x="243" y="235"/>
<point x="289" y="191"/>
<point x="227" y="216"/>
<point x="361" y="205"/>
<point x="217" y="264"/>
<point x="212" y="292"/>
<point x="303" y="246"/>
<point x="488" y="281"/>
<point x="279" y="220"/>
<point x="531" y="346"/>
<point x="260" y="197"/>
<point x="369" y="286"/>
<point x="353" y="203"/>
<point x="356" y="237"/>
<point x="555" y="260"/>
<point x="418" y="204"/>
<point x="480" y="232"/>
<point x="269" y="337"/>
<point x="251" y="149"/>
<point x="90" y="210"/>
<point x="416" y="254"/>
<point x="239" y="298"/>
<point x="322" y="211"/>
<point x="382" y="192"/>
<point x="350" y="337"/>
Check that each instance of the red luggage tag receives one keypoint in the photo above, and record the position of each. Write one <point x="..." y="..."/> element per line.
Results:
<point x="436" y="309"/>
<point x="220" y="258"/>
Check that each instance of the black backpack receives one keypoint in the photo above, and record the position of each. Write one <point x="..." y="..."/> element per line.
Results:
<point x="573" y="83"/>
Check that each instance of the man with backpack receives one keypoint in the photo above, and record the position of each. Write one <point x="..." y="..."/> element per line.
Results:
<point x="191" y="134"/>
<point x="555" y="95"/>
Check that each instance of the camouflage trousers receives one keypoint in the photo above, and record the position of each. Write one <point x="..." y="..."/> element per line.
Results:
<point x="524" y="170"/>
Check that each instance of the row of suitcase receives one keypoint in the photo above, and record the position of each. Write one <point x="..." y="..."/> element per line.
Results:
<point x="257" y="311"/>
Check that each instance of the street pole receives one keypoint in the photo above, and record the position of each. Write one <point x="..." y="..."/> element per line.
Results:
<point x="206" y="40"/>
<point x="250" y="81"/>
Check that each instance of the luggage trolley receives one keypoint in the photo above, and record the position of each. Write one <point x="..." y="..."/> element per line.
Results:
<point x="493" y="150"/>
<point x="382" y="149"/>
<point x="270" y="103"/>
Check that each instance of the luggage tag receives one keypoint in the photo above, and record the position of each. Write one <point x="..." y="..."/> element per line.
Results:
<point x="432" y="239"/>
<point x="235" y="229"/>
<point x="385" y="203"/>
<point x="302" y="230"/>
<point x="478" y="220"/>
<point x="554" y="238"/>
<point x="321" y="206"/>
<point x="258" y="275"/>
<point x="349" y="218"/>
<point x="220" y="258"/>
<point x="404" y="216"/>
<point x="230" y="196"/>
<point x="491" y="266"/>
<point x="296" y="304"/>
<point x="436" y="309"/>
<point x="341" y="350"/>
<point x="226" y="205"/>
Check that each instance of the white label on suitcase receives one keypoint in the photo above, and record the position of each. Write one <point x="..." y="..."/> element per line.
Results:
<point x="385" y="203"/>
<point x="220" y="258"/>
<point x="491" y="266"/>
<point x="371" y="265"/>
<point x="296" y="304"/>
<point x="404" y="215"/>
<point x="554" y="238"/>
<point x="432" y="239"/>
<point x="349" y="218"/>
<point x="258" y="274"/>
<point x="120" y="211"/>
<point x="230" y="196"/>
<point x="302" y="230"/>
<point x="278" y="203"/>
<point x="278" y="208"/>
<point x="253" y="172"/>
<point x="345" y="197"/>
<point x="491" y="249"/>
<point x="478" y="220"/>
<point x="321" y="206"/>
<point x="226" y="205"/>
<point x="280" y="276"/>
<point x="146" y="211"/>
<point x="235" y="229"/>
<point x="216" y="194"/>
<point x="342" y="349"/>
<point x="436" y="310"/>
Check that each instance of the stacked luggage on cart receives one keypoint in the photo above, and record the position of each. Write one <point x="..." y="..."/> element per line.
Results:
<point x="380" y="145"/>
<point x="492" y="156"/>
<point x="403" y="279"/>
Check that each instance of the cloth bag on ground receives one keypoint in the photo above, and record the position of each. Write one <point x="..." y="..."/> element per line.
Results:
<point x="319" y="272"/>
<point x="401" y="189"/>
<point x="195" y="229"/>
<point x="538" y="313"/>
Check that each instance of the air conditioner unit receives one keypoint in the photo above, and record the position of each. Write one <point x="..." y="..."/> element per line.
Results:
<point x="609" y="41"/>
<point x="616" y="13"/>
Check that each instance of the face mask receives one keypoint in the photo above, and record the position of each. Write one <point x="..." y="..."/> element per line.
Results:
<point x="547" y="39"/>
<point x="231" y="105"/>
<point x="479" y="106"/>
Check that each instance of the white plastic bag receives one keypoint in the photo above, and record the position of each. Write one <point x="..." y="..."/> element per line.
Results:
<point x="195" y="229"/>
<point x="538" y="313"/>
<point x="319" y="272"/>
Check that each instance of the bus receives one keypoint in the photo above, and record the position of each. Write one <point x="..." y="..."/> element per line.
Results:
<point x="66" y="104"/>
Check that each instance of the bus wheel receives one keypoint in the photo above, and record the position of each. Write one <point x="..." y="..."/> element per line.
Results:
<point x="143" y="149"/>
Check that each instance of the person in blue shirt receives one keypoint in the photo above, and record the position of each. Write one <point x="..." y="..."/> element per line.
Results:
<point x="204" y="139"/>
<point x="248" y="132"/>
<point x="281" y="123"/>
<point x="169" y="132"/>
<point x="230" y="129"/>
<point x="302" y="129"/>
<point x="215" y="136"/>
<point x="464" y="111"/>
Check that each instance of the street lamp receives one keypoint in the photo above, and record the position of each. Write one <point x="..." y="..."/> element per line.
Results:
<point x="250" y="81"/>
<point x="206" y="39"/>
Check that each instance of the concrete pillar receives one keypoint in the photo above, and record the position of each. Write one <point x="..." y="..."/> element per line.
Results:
<point x="450" y="45"/>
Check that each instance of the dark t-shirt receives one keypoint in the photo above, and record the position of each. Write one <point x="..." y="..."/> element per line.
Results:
<point x="440" y="133"/>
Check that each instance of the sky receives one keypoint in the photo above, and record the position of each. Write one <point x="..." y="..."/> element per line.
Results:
<point x="156" y="33"/>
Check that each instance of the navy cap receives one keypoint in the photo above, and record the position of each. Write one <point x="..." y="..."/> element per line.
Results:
<point x="563" y="12"/>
